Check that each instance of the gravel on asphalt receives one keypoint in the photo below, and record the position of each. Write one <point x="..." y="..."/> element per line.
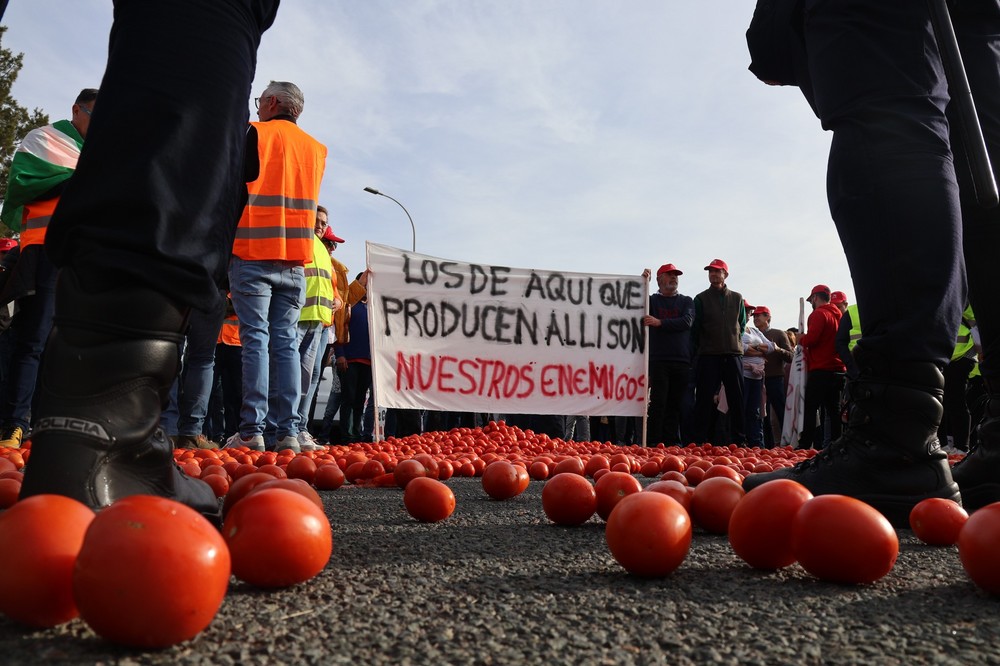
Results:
<point x="497" y="583"/>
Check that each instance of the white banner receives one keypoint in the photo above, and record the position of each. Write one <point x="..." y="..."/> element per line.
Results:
<point x="795" y="394"/>
<point x="459" y="336"/>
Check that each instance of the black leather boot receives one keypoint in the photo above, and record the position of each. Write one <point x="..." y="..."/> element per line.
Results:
<point x="978" y="474"/>
<point x="107" y="371"/>
<point x="889" y="456"/>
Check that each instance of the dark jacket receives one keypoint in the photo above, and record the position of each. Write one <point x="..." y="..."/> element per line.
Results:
<point x="671" y="340"/>
<point x="719" y="320"/>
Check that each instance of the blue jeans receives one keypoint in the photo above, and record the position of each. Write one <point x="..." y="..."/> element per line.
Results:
<point x="29" y="331"/>
<point x="268" y="298"/>
<point x="199" y="363"/>
<point x="311" y="336"/>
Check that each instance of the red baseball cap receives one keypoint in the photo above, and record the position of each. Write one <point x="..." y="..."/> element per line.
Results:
<point x="762" y="309"/>
<point x="7" y="244"/>
<point x="819" y="289"/>
<point x="330" y="236"/>
<point x="669" y="268"/>
<point x="838" y="297"/>
<point x="747" y="306"/>
<point x="718" y="263"/>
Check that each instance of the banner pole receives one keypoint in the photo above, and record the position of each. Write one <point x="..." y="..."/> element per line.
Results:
<point x="645" y="356"/>
<point x="378" y="433"/>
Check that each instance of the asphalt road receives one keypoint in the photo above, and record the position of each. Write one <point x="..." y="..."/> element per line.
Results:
<point x="497" y="584"/>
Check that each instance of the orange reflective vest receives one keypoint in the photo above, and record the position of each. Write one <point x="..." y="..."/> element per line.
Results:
<point x="229" y="334"/>
<point x="278" y="221"/>
<point x="36" y="220"/>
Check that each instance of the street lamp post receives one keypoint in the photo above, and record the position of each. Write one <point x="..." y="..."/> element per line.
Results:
<point x="372" y="190"/>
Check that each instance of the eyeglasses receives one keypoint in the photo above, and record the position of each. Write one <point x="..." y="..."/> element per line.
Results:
<point x="257" y="100"/>
<point x="85" y="110"/>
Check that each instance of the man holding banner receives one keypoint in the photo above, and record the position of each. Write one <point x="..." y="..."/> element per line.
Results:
<point x="671" y="315"/>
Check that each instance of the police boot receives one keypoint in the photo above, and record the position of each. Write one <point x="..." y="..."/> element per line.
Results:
<point x="978" y="474"/>
<point x="888" y="456"/>
<point x="108" y="367"/>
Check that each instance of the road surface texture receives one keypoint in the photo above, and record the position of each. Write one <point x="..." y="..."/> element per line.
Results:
<point x="498" y="584"/>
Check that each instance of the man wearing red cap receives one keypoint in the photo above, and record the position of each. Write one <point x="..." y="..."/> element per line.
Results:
<point x="670" y="317"/>
<point x="825" y="378"/>
<point x="717" y="332"/>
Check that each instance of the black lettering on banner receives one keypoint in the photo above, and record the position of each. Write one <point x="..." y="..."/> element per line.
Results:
<point x="457" y="278"/>
<point x="477" y="279"/>
<point x="496" y="280"/>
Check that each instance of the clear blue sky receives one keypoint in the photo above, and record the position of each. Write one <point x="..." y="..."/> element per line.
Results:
<point x="576" y="135"/>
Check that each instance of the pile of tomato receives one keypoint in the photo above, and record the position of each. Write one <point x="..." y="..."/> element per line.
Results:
<point x="276" y="533"/>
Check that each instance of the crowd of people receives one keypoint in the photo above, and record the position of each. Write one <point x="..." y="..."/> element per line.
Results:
<point x="719" y="372"/>
<point x="251" y="361"/>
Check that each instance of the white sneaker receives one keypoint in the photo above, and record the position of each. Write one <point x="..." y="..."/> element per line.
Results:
<point x="288" y="442"/>
<point x="255" y="443"/>
<point x="307" y="442"/>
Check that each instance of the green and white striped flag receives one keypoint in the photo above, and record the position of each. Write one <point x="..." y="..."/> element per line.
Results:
<point x="46" y="157"/>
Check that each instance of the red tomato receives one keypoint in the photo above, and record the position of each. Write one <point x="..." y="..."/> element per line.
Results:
<point x="407" y="470"/>
<point x="295" y="485"/>
<point x="573" y="465"/>
<point x="191" y="468"/>
<point x="569" y="499"/>
<point x="672" y="463"/>
<point x="650" y="468"/>
<point x="713" y="501"/>
<point x="445" y="470"/>
<point x="428" y="500"/>
<point x="611" y="488"/>
<point x="243" y="470"/>
<point x="599" y="473"/>
<point x="596" y="463"/>
<point x="219" y="483"/>
<point x="301" y="467"/>
<point x="843" y="540"/>
<point x="10" y="490"/>
<point x="501" y="480"/>
<point x="372" y="469"/>
<point x="277" y="538"/>
<point x="674" y="475"/>
<point x="430" y="464"/>
<point x="937" y="521"/>
<point x="694" y="475"/>
<point x="354" y="471"/>
<point x="979" y="547"/>
<point x="539" y="470"/>
<point x="274" y="470"/>
<point x="724" y="471"/>
<point x="133" y="576"/>
<point x="760" y="528"/>
<point x="674" y="489"/>
<point x="329" y="476"/>
<point x="241" y="486"/>
<point x="42" y="536"/>
<point x="649" y="534"/>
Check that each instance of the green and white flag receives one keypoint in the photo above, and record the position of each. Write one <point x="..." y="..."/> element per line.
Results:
<point x="46" y="157"/>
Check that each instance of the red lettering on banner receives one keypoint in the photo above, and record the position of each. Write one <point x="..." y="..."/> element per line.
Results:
<point x="498" y="380"/>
